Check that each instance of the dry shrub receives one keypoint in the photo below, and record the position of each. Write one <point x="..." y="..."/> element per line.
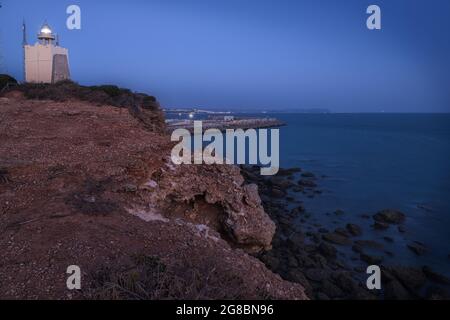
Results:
<point x="4" y="175"/>
<point x="90" y="199"/>
<point x="6" y="80"/>
<point x="104" y="94"/>
<point x="67" y="89"/>
<point x="149" y="278"/>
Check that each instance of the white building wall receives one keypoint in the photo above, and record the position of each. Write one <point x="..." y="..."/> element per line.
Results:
<point x="39" y="62"/>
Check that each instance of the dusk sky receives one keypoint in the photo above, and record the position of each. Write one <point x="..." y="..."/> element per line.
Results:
<point x="251" y="54"/>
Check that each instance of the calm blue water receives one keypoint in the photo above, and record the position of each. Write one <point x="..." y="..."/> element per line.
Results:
<point x="376" y="161"/>
<point x="369" y="162"/>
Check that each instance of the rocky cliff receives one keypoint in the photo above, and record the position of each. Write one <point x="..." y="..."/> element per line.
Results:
<point x="90" y="184"/>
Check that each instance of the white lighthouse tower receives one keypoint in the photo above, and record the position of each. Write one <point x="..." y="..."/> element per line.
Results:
<point x="46" y="61"/>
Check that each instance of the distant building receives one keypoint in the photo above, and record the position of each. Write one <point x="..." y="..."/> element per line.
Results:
<point x="46" y="61"/>
<point x="220" y="118"/>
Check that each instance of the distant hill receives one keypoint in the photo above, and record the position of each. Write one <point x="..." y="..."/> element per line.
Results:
<point x="245" y="110"/>
<point x="311" y="110"/>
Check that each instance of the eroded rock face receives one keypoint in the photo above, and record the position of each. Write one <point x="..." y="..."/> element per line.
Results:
<point x="239" y="215"/>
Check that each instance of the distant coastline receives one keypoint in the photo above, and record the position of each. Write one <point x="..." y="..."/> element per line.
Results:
<point x="241" y="111"/>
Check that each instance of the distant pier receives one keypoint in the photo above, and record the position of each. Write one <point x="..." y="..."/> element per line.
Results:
<point x="222" y="125"/>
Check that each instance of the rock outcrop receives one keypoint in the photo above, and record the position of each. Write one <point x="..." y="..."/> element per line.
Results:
<point x="389" y="216"/>
<point x="192" y="192"/>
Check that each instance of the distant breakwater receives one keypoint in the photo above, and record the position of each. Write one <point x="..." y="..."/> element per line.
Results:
<point x="222" y="125"/>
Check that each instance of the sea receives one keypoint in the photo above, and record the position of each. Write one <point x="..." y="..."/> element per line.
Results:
<point x="369" y="162"/>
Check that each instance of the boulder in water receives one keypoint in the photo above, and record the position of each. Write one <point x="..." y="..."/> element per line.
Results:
<point x="389" y="216"/>
<point x="354" y="229"/>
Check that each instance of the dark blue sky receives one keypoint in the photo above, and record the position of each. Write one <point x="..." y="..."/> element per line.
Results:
<point x="252" y="54"/>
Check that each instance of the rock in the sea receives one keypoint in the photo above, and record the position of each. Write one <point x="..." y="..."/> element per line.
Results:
<point x="250" y="176"/>
<point x="339" y="212"/>
<point x="305" y="261"/>
<point x="320" y="260"/>
<point x="394" y="290"/>
<point x="331" y="289"/>
<point x="378" y="225"/>
<point x="434" y="276"/>
<point x="401" y="229"/>
<point x="388" y="239"/>
<point x="322" y="296"/>
<point x="284" y="220"/>
<point x="287" y="172"/>
<point x="336" y="238"/>
<point x="317" y="274"/>
<point x="389" y="253"/>
<point x="354" y="229"/>
<point x="278" y="193"/>
<point x="298" y="276"/>
<point x="307" y="183"/>
<point x="345" y="282"/>
<point x="297" y="210"/>
<point x="369" y="244"/>
<point x="292" y="262"/>
<point x="359" y="269"/>
<point x="327" y="250"/>
<point x="386" y="275"/>
<point x="281" y="183"/>
<point x="371" y="259"/>
<point x="390" y="216"/>
<point x="315" y="237"/>
<point x="296" y="239"/>
<point x="411" y="278"/>
<point x="417" y="248"/>
<point x="307" y="174"/>
<point x="343" y="232"/>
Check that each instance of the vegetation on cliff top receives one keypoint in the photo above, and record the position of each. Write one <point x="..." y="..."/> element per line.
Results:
<point x="104" y="94"/>
<point x="6" y="80"/>
<point x="143" y="107"/>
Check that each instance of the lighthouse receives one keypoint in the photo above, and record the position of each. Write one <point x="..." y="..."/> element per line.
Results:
<point x="45" y="61"/>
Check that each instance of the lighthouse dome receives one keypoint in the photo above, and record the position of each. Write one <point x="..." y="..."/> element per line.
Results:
<point x="46" y="29"/>
<point x="46" y="32"/>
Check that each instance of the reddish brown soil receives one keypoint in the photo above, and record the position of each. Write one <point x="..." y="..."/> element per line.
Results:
<point x="69" y="174"/>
